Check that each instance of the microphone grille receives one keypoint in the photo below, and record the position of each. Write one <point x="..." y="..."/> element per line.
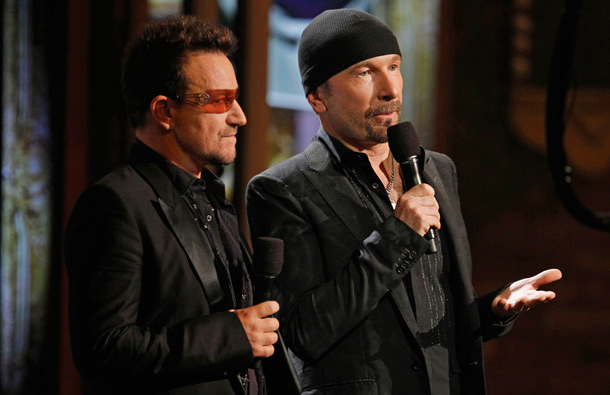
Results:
<point x="268" y="256"/>
<point x="403" y="141"/>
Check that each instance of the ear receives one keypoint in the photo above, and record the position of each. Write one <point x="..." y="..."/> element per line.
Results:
<point x="161" y="111"/>
<point x="316" y="101"/>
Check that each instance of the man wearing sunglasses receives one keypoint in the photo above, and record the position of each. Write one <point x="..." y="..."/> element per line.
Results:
<point x="160" y="293"/>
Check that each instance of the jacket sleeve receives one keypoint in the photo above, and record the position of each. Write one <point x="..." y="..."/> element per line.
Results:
<point x="329" y="283"/>
<point x="493" y="326"/>
<point x="106" y="259"/>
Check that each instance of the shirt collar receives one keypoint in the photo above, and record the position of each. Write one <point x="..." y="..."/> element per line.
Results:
<point x="340" y="152"/>
<point x="180" y="178"/>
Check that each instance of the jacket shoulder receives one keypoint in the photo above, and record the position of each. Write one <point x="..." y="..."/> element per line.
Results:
<point x="284" y="171"/>
<point x="439" y="158"/>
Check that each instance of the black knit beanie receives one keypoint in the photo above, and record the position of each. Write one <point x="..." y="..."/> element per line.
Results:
<point x="338" y="39"/>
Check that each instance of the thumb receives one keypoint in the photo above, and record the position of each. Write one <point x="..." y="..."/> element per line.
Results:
<point x="421" y="190"/>
<point x="546" y="277"/>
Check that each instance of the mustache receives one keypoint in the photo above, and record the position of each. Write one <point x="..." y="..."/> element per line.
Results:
<point x="383" y="108"/>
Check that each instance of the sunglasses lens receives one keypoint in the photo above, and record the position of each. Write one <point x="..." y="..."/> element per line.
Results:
<point x="220" y="100"/>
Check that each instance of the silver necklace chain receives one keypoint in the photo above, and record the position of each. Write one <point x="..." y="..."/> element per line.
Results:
<point x="390" y="186"/>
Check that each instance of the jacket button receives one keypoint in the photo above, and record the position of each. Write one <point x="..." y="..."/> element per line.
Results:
<point x="400" y="269"/>
<point x="417" y="366"/>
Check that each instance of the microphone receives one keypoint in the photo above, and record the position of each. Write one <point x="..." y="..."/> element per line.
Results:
<point x="404" y="145"/>
<point x="280" y="374"/>
<point x="267" y="264"/>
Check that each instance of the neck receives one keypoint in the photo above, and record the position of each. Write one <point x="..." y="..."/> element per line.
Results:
<point x="164" y="143"/>
<point x="381" y="161"/>
<point x="377" y="154"/>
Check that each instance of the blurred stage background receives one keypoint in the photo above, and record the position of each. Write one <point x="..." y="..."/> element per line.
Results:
<point x="476" y="77"/>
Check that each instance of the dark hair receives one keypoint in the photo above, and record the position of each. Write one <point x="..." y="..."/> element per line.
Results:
<point x="153" y="61"/>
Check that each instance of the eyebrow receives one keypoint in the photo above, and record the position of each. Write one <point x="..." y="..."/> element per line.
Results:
<point x="367" y="62"/>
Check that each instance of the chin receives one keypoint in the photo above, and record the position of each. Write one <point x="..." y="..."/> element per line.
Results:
<point x="221" y="160"/>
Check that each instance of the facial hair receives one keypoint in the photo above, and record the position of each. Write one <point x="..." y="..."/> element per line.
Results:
<point x="215" y="156"/>
<point x="377" y="131"/>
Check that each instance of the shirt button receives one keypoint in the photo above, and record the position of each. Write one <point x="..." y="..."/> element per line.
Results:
<point x="375" y="185"/>
<point x="400" y="269"/>
<point x="195" y="206"/>
<point x="208" y="218"/>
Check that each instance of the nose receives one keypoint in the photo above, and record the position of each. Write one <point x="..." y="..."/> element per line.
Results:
<point x="236" y="115"/>
<point x="389" y="86"/>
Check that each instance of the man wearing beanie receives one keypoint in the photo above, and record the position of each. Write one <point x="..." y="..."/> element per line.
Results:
<point x="365" y="308"/>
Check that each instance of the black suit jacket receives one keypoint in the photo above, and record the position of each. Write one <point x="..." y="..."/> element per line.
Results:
<point x="145" y="303"/>
<point x="345" y="311"/>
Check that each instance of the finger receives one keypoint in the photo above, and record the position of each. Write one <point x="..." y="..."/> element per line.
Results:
<point x="518" y="300"/>
<point x="419" y="208"/>
<point x="507" y="307"/>
<point x="264" y="339"/>
<point x="262" y="344"/>
<point x="420" y="190"/>
<point x="436" y="221"/>
<point x="503" y="304"/>
<point x="520" y="306"/>
<point x="413" y="202"/>
<point x="263" y="351"/>
<point x="543" y="296"/>
<point x="423" y="225"/>
<point x="270" y="339"/>
<point x="266" y="308"/>
<point x="269" y="325"/>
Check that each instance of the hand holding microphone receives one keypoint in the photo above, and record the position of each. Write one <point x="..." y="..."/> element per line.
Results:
<point x="420" y="209"/>
<point x="259" y="324"/>
<point x="260" y="327"/>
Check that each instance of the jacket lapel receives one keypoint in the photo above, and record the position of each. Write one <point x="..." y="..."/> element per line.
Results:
<point x="453" y="224"/>
<point x="186" y="229"/>
<point x="336" y="190"/>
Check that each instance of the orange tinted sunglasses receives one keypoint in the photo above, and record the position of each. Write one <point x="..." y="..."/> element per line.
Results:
<point x="213" y="101"/>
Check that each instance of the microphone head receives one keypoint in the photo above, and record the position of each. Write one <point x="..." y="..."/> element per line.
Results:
<point x="403" y="141"/>
<point x="268" y="256"/>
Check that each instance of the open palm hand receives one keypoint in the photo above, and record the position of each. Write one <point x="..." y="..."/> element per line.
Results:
<point x="524" y="294"/>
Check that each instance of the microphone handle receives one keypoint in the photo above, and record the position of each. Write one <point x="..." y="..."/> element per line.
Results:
<point x="410" y="172"/>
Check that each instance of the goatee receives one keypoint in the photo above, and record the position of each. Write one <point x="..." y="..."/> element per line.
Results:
<point x="379" y="132"/>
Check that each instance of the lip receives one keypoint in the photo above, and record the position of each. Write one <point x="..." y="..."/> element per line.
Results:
<point x="385" y="115"/>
